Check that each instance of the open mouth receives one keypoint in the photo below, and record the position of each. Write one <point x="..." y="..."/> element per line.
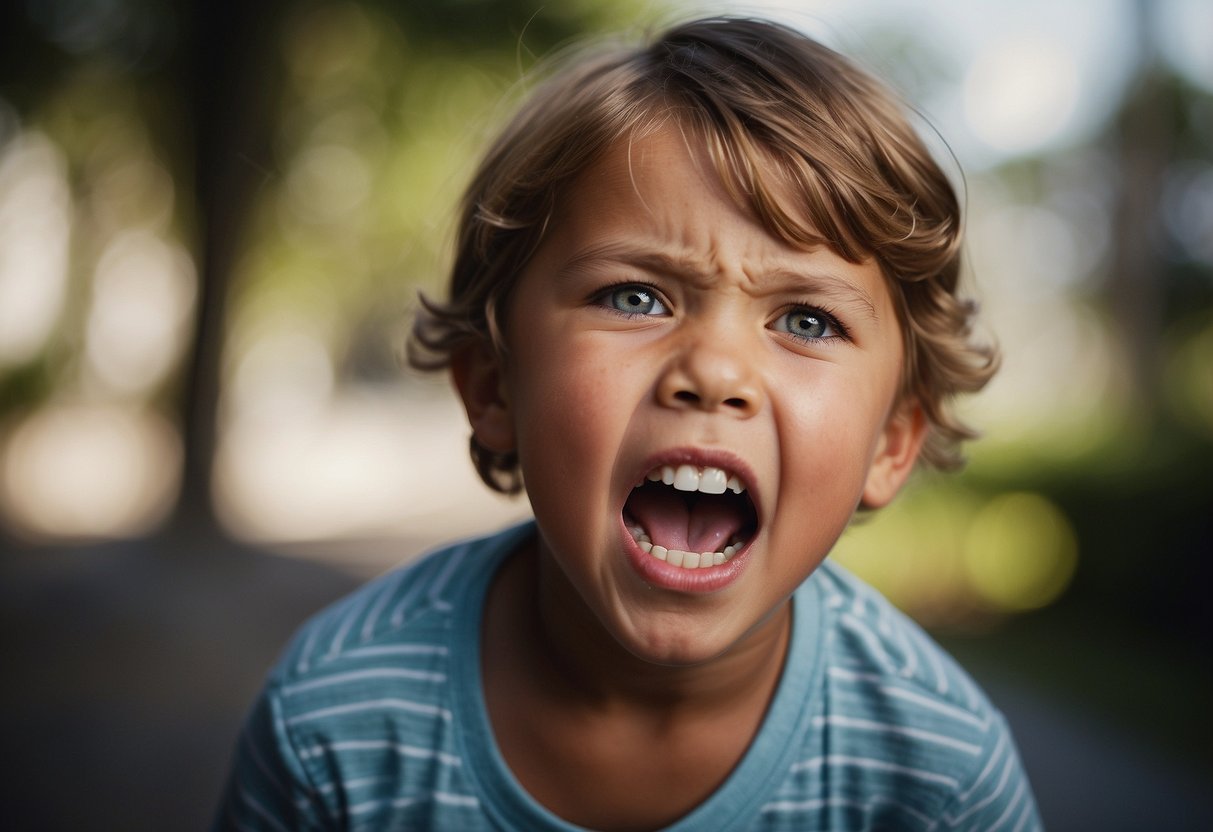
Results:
<point x="693" y="517"/>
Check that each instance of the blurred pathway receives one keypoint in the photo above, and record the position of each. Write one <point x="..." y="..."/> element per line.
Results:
<point x="1088" y="775"/>
<point x="128" y="668"/>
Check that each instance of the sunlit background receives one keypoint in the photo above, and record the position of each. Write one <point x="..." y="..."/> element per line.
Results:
<point x="214" y="222"/>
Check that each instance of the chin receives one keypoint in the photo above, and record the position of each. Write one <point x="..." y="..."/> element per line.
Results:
<point x="687" y="648"/>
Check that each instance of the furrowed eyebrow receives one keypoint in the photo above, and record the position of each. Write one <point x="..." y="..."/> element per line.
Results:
<point x="649" y="261"/>
<point x="824" y="285"/>
<point x="827" y="286"/>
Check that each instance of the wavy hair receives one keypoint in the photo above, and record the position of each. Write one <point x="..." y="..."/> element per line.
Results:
<point x="818" y="149"/>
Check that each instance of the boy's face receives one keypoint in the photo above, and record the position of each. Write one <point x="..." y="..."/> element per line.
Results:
<point x="660" y="326"/>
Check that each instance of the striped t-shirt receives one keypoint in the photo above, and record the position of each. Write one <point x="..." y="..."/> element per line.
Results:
<point x="375" y="719"/>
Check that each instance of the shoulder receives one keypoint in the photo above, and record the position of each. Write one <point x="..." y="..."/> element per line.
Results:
<point x="900" y="719"/>
<point x="405" y="612"/>
<point x="358" y="711"/>
<point x="869" y="640"/>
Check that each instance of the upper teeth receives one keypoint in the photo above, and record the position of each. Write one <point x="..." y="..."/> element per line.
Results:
<point x="690" y="478"/>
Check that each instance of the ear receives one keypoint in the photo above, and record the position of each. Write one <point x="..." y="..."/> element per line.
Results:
<point x="896" y="452"/>
<point x="479" y="377"/>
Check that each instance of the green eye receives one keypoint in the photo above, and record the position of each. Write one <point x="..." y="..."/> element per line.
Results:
<point x="810" y="324"/>
<point x="634" y="300"/>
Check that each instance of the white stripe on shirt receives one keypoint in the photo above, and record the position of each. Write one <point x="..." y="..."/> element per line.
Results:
<point x="865" y="806"/>
<point x="890" y="728"/>
<point x="373" y="704"/>
<point x="379" y="745"/>
<point x="357" y="675"/>
<point x="879" y="765"/>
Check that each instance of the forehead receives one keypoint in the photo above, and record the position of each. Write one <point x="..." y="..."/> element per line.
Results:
<point x="657" y="201"/>
<point x="656" y="191"/>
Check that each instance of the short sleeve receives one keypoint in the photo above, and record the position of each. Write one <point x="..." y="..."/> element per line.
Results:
<point x="268" y="788"/>
<point x="998" y="797"/>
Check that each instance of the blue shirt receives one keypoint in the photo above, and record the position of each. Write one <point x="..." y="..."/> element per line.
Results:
<point x="375" y="719"/>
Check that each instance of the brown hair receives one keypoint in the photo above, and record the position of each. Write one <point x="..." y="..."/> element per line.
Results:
<point x="780" y="114"/>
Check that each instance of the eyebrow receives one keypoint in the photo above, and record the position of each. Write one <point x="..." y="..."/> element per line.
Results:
<point x="829" y="286"/>
<point x="651" y="261"/>
<point x="823" y="283"/>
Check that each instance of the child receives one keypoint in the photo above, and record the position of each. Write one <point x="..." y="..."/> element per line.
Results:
<point x="704" y="306"/>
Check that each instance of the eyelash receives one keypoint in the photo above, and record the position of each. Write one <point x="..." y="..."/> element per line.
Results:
<point x="822" y="313"/>
<point x="601" y="298"/>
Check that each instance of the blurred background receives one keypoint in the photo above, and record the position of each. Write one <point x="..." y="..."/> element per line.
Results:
<point x="214" y="221"/>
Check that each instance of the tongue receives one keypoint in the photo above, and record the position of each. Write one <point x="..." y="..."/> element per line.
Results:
<point x="698" y="524"/>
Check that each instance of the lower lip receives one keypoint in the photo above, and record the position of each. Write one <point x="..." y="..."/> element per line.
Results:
<point x="691" y="581"/>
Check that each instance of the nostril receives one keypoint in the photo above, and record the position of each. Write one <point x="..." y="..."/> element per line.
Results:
<point x="740" y="404"/>
<point x="687" y="396"/>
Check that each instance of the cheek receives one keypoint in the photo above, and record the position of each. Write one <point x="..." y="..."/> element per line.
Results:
<point x="828" y="437"/>
<point x="565" y="406"/>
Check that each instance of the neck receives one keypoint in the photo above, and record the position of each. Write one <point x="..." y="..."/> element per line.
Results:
<point x="569" y="704"/>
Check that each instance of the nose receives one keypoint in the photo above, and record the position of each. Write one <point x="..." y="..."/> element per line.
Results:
<point x="711" y="376"/>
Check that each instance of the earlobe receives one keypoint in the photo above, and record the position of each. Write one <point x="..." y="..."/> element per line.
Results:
<point x="896" y="453"/>
<point x="479" y="377"/>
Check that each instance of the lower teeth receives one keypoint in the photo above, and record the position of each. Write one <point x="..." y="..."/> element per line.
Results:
<point x="685" y="560"/>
